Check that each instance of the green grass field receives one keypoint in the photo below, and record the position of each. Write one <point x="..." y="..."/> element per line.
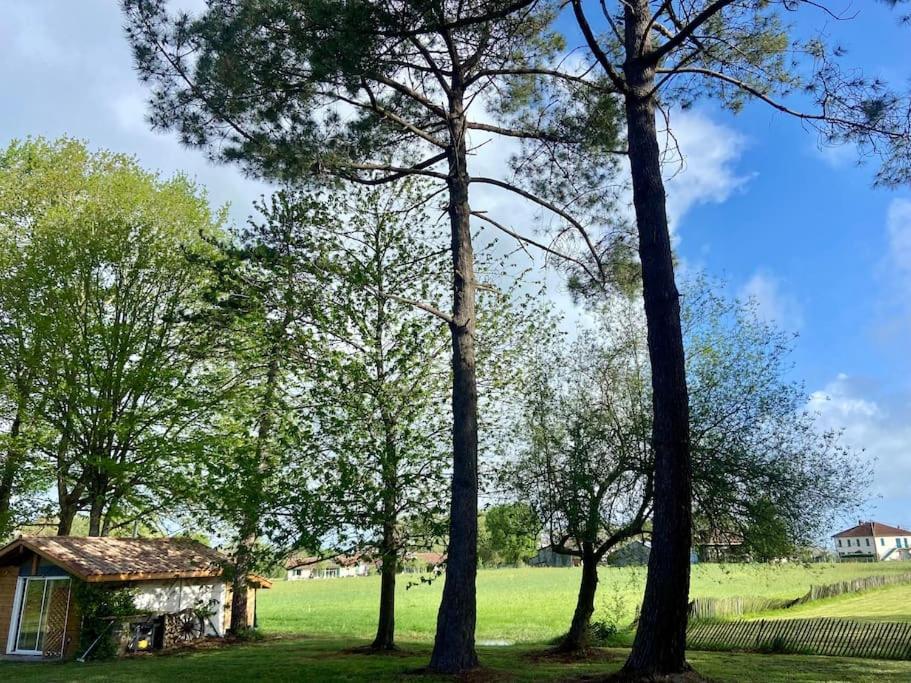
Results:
<point x="310" y="626"/>
<point x="521" y="605"/>
<point x="882" y="604"/>
<point x="325" y="660"/>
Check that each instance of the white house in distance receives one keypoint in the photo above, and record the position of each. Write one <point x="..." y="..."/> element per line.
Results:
<point x="873" y="541"/>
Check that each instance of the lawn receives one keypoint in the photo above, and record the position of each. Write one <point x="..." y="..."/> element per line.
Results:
<point x="521" y="605"/>
<point x="310" y="624"/>
<point x="324" y="660"/>
<point x="882" y="604"/>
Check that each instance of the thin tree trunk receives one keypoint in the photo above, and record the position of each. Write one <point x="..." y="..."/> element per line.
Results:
<point x="660" y="643"/>
<point x="385" y="629"/>
<point x="577" y="639"/>
<point x="454" y="646"/>
<point x="245" y="555"/>
<point x="243" y="564"/>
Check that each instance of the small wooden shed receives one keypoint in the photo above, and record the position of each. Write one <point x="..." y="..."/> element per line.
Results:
<point x="40" y="618"/>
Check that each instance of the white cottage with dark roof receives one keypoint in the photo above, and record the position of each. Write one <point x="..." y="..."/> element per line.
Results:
<point x="873" y="541"/>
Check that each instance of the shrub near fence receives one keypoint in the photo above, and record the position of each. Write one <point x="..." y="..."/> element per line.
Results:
<point x="723" y="608"/>
<point x="834" y="637"/>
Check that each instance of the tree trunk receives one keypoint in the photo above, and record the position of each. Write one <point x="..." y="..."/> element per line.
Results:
<point x="578" y="637"/>
<point x="67" y="515"/>
<point x="385" y="630"/>
<point x="243" y="565"/>
<point x="96" y="515"/>
<point x="10" y="468"/>
<point x="244" y="557"/>
<point x="660" y="643"/>
<point x="454" y="648"/>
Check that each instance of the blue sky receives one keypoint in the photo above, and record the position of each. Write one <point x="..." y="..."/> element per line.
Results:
<point x="803" y="230"/>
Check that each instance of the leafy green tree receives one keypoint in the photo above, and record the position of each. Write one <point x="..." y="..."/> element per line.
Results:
<point x="380" y="384"/>
<point x="375" y="92"/>
<point x="767" y="537"/>
<point x="111" y="361"/>
<point x="513" y="531"/>
<point x="762" y="467"/>
<point x="266" y="300"/>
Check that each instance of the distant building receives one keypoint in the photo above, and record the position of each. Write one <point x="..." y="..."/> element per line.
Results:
<point x="719" y="546"/>
<point x="873" y="542"/>
<point x="548" y="557"/>
<point x="313" y="567"/>
<point x="632" y="554"/>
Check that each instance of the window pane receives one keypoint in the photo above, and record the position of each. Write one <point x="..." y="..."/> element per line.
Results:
<point x="30" y="616"/>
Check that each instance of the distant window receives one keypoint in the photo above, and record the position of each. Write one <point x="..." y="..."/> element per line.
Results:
<point x="868" y="541"/>
<point x="882" y="541"/>
<point x="839" y="543"/>
<point x="898" y="543"/>
<point x="297" y="572"/>
<point x="906" y="542"/>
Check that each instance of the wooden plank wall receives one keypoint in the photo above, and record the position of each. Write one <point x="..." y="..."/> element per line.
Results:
<point x="8" y="576"/>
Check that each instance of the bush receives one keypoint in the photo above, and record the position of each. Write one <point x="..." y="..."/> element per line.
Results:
<point x="601" y="633"/>
<point x="101" y="608"/>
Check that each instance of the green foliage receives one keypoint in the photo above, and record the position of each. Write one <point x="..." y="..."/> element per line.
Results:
<point x="513" y="532"/>
<point x="100" y="609"/>
<point x="767" y="535"/>
<point x="98" y="304"/>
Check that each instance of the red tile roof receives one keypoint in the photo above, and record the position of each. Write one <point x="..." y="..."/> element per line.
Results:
<point x="106" y="559"/>
<point x="872" y="529"/>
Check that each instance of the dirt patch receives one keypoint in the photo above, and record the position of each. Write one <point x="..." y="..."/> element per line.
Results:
<point x="592" y="654"/>
<point x="478" y="675"/>
<point x="368" y="650"/>
<point x="621" y="677"/>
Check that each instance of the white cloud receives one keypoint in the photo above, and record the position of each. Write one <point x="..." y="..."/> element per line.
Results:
<point x="774" y="303"/>
<point x="878" y="425"/>
<point x="706" y="173"/>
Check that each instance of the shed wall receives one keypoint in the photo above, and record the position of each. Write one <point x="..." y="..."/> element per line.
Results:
<point x="8" y="578"/>
<point x="162" y="597"/>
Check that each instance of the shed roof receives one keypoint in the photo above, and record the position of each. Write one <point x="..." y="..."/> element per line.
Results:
<point x="872" y="529"/>
<point x="106" y="559"/>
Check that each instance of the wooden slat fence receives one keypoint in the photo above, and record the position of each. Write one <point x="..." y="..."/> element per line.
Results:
<point x="834" y="637"/>
<point x="738" y="606"/>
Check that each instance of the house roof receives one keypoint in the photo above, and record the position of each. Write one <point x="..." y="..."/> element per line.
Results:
<point x="296" y="561"/>
<point x="872" y="529"/>
<point x="107" y="559"/>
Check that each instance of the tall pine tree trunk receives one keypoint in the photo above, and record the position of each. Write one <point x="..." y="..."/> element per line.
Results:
<point x="454" y="646"/>
<point x="660" y="643"/>
<point x="577" y="638"/>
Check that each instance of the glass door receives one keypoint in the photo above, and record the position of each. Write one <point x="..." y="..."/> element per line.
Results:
<point x="41" y="597"/>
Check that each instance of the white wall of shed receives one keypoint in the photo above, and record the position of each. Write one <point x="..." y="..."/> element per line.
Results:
<point x="163" y="597"/>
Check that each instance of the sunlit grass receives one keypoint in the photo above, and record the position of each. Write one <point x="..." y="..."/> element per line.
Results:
<point x="522" y="605"/>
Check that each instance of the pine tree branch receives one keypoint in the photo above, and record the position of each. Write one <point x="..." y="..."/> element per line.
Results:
<point x="553" y="208"/>
<point x="595" y="47"/>
<point x="684" y="34"/>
